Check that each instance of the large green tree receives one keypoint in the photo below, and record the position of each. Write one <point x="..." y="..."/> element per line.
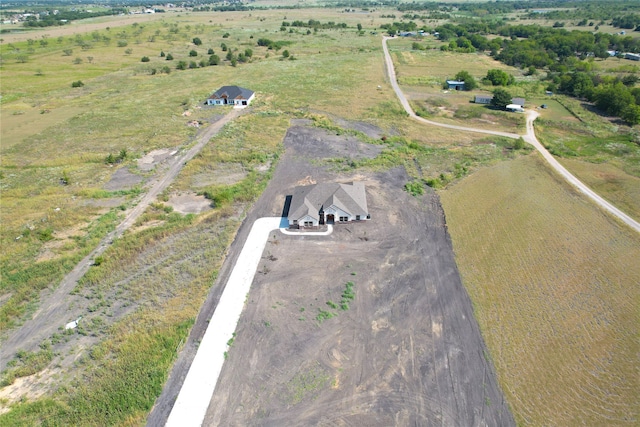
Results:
<point x="501" y="98"/>
<point x="613" y="98"/>
<point x="498" y="78"/>
<point x="469" y="81"/>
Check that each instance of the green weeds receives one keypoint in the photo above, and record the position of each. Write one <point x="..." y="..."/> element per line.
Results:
<point x="26" y="363"/>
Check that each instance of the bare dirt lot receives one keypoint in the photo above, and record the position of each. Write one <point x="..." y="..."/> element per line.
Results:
<point x="406" y="351"/>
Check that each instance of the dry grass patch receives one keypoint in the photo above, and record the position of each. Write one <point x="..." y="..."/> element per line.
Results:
<point x="552" y="279"/>
<point x="609" y="181"/>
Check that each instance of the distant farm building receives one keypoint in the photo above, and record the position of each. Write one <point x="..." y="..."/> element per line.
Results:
<point x="486" y="99"/>
<point x="455" y="85"/>
<point x="483" y="99"/>
<point x="331" y="203"/>
<point x="231" y="95"/>
<point x="515" y="108"/>
<point x="632" y="56"/>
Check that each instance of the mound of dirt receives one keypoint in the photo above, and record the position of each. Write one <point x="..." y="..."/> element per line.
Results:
<point x="189" y="203"/>
<point x="155" y="157"/>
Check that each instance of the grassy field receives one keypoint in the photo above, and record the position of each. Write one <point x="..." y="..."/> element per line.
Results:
<point x="554" y="285"/>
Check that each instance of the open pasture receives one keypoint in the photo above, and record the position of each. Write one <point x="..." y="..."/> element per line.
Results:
<point x="554" y="284"/>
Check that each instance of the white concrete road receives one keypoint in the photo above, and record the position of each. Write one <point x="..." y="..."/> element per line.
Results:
<point x="193" y="400"/>
<point x="529" y="137"/>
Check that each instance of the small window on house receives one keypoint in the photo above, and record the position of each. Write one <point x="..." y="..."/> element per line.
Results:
<point x="344" y="219"/>
<point x="295" y="221"/>
<point x="357" y="217"/>
<point x="308" y="223"/>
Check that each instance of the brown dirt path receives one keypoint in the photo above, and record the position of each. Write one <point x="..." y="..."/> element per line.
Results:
<point x="56" y="308"/>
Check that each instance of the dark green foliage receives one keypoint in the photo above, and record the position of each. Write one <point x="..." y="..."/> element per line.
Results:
<point x="469" y="81"/>
<point x="197" y="41"/>
<point x="415" y="188"/>
<point x="145" y="59"/>
<point x="169" y="57"/>
<point x="182" y="65"/>
<point x="613" y="98"/>
<point x="277" y="45"/>
<point x="498" y="78"/>
<point x="501" y="98"/>
<point x="193" y="53"/>
<point x="214" y="60"/>
<point x="324" y="315"/>
<point x="77" y="83"/>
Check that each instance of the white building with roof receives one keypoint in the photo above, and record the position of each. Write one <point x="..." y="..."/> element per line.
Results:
<point x="330" y="203"/>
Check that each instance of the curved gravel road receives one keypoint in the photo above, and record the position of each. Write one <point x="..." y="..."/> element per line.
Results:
<point x="529" y="137"/>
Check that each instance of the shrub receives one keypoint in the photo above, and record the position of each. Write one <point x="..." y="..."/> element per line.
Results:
<point x="193" y="53"/>
<point x="145" y="59"/>
<point x="169" y="57"/>
<point x="197" y="41"/>
<point x="77" y="83"/>
<point x="415" y="188"/>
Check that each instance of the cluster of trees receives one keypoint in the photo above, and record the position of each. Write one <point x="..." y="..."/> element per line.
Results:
<point x="469" y="82"/>
<point x="270" y="44"/>
<point x="48" y="19"/>
<point x="613" y="95"/>
<point x="498" y="78"/>
<point x="627" y="21"/>
<point x="312" y="23"/>
<point x="397" y="27"/>
<point x="553" y="9"/>
<point x="493" y="77"/>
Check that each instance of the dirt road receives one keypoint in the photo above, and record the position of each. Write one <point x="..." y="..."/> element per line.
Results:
<point x="56" y="308"/>
<point x="530" y="137"/>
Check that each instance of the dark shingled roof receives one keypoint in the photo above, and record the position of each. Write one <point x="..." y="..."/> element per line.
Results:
<point x="232" y="92"/>
<point x="308" y="200"/>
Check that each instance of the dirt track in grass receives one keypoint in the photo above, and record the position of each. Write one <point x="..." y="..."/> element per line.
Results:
<point x="407" y="350"/>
